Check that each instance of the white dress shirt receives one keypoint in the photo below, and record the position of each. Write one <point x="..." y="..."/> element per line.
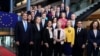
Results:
<point x="67" y="13"/>
<point x="25" y="24"/>
<point x="50" y="32"/>
<point x="78" y="30"/>
<point x="38" y="27"/>
<point x="54" y="25"/>
<point x="43" y="22"/>
<point x="73" y="23"/>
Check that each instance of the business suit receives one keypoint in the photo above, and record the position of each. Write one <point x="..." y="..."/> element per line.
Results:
<point x="68" y="15"/>
<point x="73" y="22"/>
<point x="91" y="39"/>
<point x="62" y="9"/>
<point x="44" y="23"/>
<point x="37" y="39"/>
<point x="23" y="37"/>
<point x="49" y="40"/>
<point x="37" y="13"/>
<point x="50" y="16"/>
<point x="58" y="49"/>
<point x="43" y="28"/>
<point x="80" y="39"/>
<point x="58" y="15"/>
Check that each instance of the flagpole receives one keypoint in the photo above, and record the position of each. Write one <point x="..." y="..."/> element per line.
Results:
<point x="28" y="5"/>
<point x="11" y="11"/>
<point x="11" y="6"/>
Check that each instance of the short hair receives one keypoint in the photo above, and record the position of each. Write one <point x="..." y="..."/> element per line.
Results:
<point x="79" y="21"/>
<point x="23" y="13"/>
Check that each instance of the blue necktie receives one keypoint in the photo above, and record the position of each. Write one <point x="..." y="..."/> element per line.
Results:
<point x="25" y="26"/>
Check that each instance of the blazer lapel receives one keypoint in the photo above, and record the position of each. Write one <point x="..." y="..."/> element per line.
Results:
<point x="27" y="26"/>
<point x="36" y="27"/>
<point x="93" y="33"/>
<point x="97" y="33"/>
<point x="22" y="26"/>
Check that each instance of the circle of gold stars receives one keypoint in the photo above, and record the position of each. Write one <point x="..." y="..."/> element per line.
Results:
<point x="11" y="20"/>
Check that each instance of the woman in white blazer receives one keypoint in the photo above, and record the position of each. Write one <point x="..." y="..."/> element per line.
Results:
<point x="58" y="40"/>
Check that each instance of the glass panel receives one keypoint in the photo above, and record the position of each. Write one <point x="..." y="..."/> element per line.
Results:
<point x="81" y="4"/>
<point x="8" y="42"/>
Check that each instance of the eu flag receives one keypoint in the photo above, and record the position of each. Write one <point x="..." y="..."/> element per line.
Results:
<point x="8" y="20"/>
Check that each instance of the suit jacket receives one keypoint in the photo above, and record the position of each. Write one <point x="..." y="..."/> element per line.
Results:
<point x="58" y="16"/>
<point x="62" y="35"/>
<point x="92" y="38"/>
<point x="37" y="33"/>
<point x="44" y="24"/>
<point x="62" y="10"/>
<point x="50" y="16"/>
<point x="46" y="36"/>
<point x="24" y="37"/>
<point x="81" y="37"/>
<point x="37" y="14"/>
<point x="69" y="15"/>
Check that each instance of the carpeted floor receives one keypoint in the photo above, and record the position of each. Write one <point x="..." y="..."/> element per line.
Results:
<point x="5" y="52"/>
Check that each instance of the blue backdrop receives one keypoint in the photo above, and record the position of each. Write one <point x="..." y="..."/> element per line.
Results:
<point x="8" y="20"/>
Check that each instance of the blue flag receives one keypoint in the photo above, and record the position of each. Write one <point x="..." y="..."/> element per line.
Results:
<point x="8" y="20"/>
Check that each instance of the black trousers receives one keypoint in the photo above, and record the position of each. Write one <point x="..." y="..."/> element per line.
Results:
<point x="58" y="49"/>
<point x="91" y="50"/>
<point x="77" y="50"/>
<point x="42" y="50"/>
<point x="31" y="49"/>
<point x="23" y="50"/>
<point x="48" y="51"/>
<point x="36" y="49"/>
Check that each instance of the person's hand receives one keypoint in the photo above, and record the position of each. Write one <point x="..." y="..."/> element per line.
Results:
<point x="83" y="46"/>
<point x="71" y="46"/>
<point x="31" y="43"/>
<point x="41" y="42"/>
<point x="47" y="45"/>
<point x="58" y="40"/>
<point x="95" y="44"/>
<point x="17" y="43"/>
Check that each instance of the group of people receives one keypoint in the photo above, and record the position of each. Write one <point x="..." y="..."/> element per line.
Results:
<point x="53" y="31"/>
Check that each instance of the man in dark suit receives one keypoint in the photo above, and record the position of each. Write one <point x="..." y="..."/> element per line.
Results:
<point x="36" y="12"/>
<point x="58" y="12"/>
<point x="68" y="12"/>
<point x="51" y="15"/>
<point x="73" y="20"/>
<point x="44" y="20"/>
<point x="62" y="7"/>
<point x="23" y="36"/>
<point x="80" y="40"/>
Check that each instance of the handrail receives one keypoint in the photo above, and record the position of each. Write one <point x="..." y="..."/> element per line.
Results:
<point x="83" y="10"/>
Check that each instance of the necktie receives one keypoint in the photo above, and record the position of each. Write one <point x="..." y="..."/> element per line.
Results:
<point x="58" y="34"/>
<point x="25" y="25"/>
<point x="78" y="30"/>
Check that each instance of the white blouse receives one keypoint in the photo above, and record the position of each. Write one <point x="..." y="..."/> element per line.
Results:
<point x="54" y="25"/>
<point x="51" y="34"/>
<point x="95" y="32"/>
